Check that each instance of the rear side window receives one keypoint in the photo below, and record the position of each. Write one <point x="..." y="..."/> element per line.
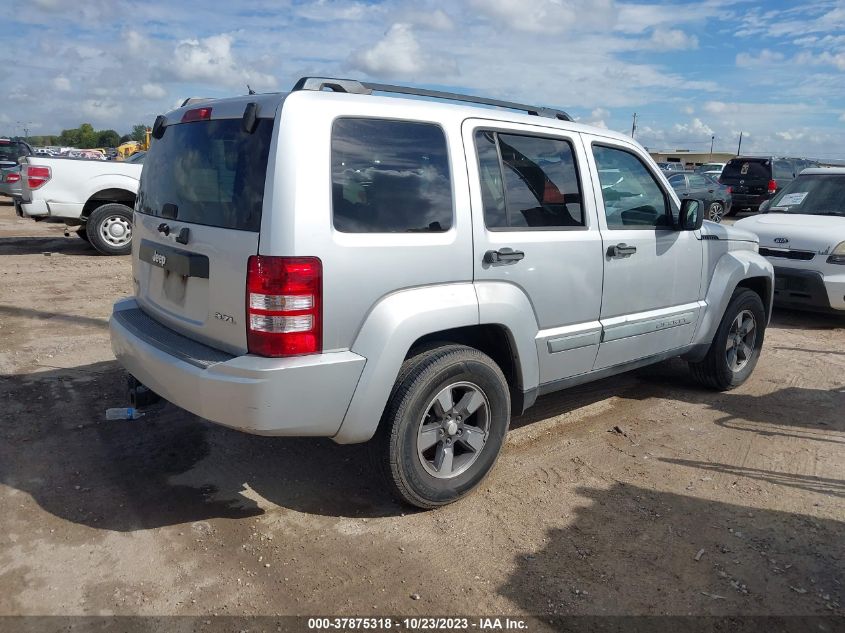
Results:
<point x="207" y="172"/>
<point x="748" y="169"/>
<point x="528" y="182"/>
<point x="390" y="177"/>
<point x="783" y="169"/>
<point x="11" y="151"/>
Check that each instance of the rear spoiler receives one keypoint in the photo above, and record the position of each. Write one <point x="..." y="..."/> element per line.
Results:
<point x="248" y="121"/>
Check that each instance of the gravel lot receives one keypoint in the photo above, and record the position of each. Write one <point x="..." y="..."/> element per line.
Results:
<point x="705" y="503"/>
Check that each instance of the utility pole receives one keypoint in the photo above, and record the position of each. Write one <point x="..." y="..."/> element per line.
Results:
<point x="712" y="138"/>
<point x="739" y="147"/>
<point x="634" y="125"/>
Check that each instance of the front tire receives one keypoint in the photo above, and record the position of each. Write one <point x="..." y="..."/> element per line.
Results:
<point x="109" y="229"/>
<point x="443" y="426"/>
<point x="735" y="349"/>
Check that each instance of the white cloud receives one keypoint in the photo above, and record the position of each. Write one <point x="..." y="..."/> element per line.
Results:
<point x="672" y="39"/>
<point x="399" y="54"/>
<point x="549" y="16"/>
<point x="101" y="110"/>
<point x="695" y="128"/>
<point x="765" y="58"/>
<point x="61" y="83"/>
<point x="688" y="109"/>
<point x="842" y="117"/>
<point x="822" y="59"/>
<point x="153" y="91"/>
<point x="210" y="59"/>
<point x="599" y="113"/>
<point x="437" y="20"/>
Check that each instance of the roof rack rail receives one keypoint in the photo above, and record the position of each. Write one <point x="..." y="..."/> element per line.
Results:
<point x="353" y="86"/>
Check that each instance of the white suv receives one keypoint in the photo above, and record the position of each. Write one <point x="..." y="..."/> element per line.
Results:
<point x="413" y="272"/>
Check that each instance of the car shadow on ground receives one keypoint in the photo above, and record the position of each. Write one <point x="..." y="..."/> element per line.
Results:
<point x="169" y="467"/>
<point x="790" y="411"/>
<point x="50" y="246"/>
<point x="23" y="313"/>
<point x="630" y="550"/>
<point x="786" y="319"/>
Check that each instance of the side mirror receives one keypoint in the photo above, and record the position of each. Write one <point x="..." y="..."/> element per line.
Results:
<point x="691" y="216"/>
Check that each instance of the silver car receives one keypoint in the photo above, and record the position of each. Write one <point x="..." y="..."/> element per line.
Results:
<point x="413" y="272"/>
<point x="10" y="181"/>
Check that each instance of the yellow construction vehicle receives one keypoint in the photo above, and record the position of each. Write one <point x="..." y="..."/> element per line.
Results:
<point x="125" y="150"/>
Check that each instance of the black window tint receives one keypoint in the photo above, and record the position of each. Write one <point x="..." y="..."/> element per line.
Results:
<point x="208" y="172"/>
<point x="539" y="186"/>
<point x="390" y="177"/>
<point x="13" y="150"/>
<point x="748" y="169"/>
<point x="492" y="189"/>
<point x="632" y="197"/>
<point x="782" y="169"/>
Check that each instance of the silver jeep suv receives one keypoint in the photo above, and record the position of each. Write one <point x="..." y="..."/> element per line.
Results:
<point x="413" y="272"/>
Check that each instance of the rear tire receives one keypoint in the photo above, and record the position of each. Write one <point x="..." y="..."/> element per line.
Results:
<point x="716" y="211"/>
<point x="109" y="229"/>
<point x="443" y="427"/>
<point x="735" y="349"/>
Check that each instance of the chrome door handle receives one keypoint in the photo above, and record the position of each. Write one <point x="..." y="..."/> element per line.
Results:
<point x="503" y="255"/>
<point x="621" y="250"/>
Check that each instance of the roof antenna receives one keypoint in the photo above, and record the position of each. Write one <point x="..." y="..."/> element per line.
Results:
<point x="250" y="90"/>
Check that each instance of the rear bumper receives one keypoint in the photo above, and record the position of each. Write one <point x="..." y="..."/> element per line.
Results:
<point x="35" y="208"/>
<point x="809" y="290"/>
<point x="744" y="200"/>
<point x="306" y="395"/>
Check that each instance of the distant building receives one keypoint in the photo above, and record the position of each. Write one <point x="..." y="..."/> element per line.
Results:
<point x="690" y="158"/>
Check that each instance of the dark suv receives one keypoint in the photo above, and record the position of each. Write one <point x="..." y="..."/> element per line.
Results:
<point x="755" y="179"/>
<point x="11" y="151"/>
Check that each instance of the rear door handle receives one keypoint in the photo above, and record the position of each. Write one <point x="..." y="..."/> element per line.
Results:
<point x="503" y="255"/>
<point x="621" y="250"/>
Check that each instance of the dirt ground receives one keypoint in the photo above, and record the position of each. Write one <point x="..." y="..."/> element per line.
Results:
<point x="706" y="503"/>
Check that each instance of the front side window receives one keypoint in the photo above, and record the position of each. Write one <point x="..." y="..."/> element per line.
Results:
<point x="632" y="198"/>
<point x="390" y="177"/>
<point x="528" y="182"/>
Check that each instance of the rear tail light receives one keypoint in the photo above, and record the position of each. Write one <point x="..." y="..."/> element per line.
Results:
<point x="730" y="189"/>
<point x="773" y="186"/>
<point x="13" y="177"/>
<point x="284" y="305"/>
<point x="36" y="176"/>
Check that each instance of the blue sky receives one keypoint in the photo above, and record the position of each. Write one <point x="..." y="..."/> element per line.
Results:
<point x="691" y="70"/>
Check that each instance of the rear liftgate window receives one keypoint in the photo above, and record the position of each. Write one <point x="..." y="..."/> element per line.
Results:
<point x="390" y="177"/>
<point x="208" y="172"/>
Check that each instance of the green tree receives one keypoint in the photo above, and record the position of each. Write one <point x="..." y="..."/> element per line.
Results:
<point x="87" y="136"/>
<point x="70" y="138"/>
<point x="108" y="138"/>
<point x="138" y="133"/>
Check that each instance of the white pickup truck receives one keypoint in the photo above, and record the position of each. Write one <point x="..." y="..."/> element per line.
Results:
<point x="96" y="196"/>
